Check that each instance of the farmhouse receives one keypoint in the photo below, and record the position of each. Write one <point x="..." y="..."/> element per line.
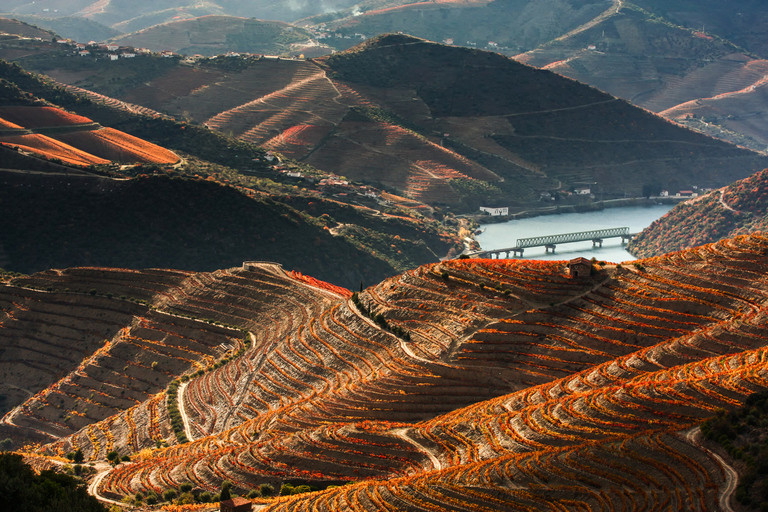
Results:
<point x="580" y="267"/>
<point x="235" y="505"/>
<point x="495" y="212"/>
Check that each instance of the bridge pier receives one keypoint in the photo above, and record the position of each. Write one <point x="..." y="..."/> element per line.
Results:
<point x="516" y="250"/>
<point x="626" y="238"/>
<point x="547" y="247"/>
<point x="597" y="242"/>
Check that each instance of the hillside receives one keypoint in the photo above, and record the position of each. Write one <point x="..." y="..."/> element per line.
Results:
<point x="499" y="25"/>
<point x="562" y="129"/>
<point x="235" y="216"/>
<point x="71" y="27"/>
<point x="739" y="208"/>
<point x="437" y="124"/>
<point x="127" y="16"/>
<point x="217" y="35"/>
<point x="741" y="21"/>
<point x="55" y="134"/>
<point x="453" y="385"/>
<point x="13" y="26"/>
<point x="694" y="78"/>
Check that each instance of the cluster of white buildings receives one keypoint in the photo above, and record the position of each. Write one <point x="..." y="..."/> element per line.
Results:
<point x="110" y="51"/>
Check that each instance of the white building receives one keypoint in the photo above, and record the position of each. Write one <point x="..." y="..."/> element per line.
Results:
<point x="495" y="212"/>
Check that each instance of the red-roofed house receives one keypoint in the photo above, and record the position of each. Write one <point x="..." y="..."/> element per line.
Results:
<point x="236" y="505"/>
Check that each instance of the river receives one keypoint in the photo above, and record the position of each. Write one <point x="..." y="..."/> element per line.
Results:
<point x="636" y="218"/>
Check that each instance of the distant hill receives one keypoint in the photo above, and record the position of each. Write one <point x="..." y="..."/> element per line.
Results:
<point x="444" y="125"/>
<point x="13" y="26"/>
<point x="71" y="27"/>
<point x="565" y="130"/>
<point x="744" y="22"/>
<point x="694" y="78"/>
<point x="129" y="16"/>
<point x="298" y="227"/>
<point x="215" y="35"/>
<point x="503" y="25"/>
<point x="739" y="208"/>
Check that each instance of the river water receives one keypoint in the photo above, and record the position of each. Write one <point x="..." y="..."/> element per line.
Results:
<point x="636" y="218"/>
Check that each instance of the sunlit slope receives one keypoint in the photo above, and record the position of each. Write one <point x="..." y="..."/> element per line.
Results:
<point x="597" y="368"/>
<point x="739" y="208"/>
<point x="52" y="133"/>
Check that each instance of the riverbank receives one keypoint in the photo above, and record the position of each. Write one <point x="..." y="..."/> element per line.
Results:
<point x="577" y="208"/>
<point x="636" y="217"/>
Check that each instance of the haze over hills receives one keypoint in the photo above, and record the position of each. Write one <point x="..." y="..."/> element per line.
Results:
<point x="127" y="16"/>
<point x="485" y="375"/>
<point x="699" y="64"/>
<point x="216" y="35"/>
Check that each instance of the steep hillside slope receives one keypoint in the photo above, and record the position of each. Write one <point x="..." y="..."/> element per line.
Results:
<point x="296" y="226"/>
<point x="216" y="35"/>
<point x="683" y="73"/>
<point x="70" y="27"/>
<point x="739" y="208"/>
<point x="740" y="21"/>
<point x="53" y="133"/>
<point x="13" y="26"/>
<point x="449" y="386"/>
<point x="188" y="224"/>
<point x="564" y="130"/>
<point x="438" y="124"/>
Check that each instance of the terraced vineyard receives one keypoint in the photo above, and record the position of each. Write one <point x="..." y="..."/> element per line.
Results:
<point x="449" y="126"/>
<point x="53" y="133"/>
<point x="466" y="384"/>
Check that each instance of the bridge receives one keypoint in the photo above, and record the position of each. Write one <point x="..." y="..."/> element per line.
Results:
<point x="550" y="241"/>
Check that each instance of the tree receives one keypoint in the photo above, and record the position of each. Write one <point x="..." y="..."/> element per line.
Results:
<point x="78" y="456"/>
<point x="113" y="457"/>
<point x="24" y="491"/>
<point x="226" y="485"/>
<point x="651" y="189"/>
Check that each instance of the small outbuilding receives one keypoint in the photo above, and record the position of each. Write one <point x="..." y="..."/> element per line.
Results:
<point x="579" y="267"/>
<point x="235" y="505"/>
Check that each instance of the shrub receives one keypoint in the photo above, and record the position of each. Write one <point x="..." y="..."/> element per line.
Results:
<point x="266" y="489"/>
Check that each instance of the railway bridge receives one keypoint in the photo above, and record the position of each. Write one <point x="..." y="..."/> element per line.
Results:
<point x="551" y="241"/>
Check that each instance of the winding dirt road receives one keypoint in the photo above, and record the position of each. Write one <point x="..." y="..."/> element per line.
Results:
<point x="731" y="477"/>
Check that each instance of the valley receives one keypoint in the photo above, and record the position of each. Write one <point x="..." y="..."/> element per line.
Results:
<point x="236" y="244"/>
